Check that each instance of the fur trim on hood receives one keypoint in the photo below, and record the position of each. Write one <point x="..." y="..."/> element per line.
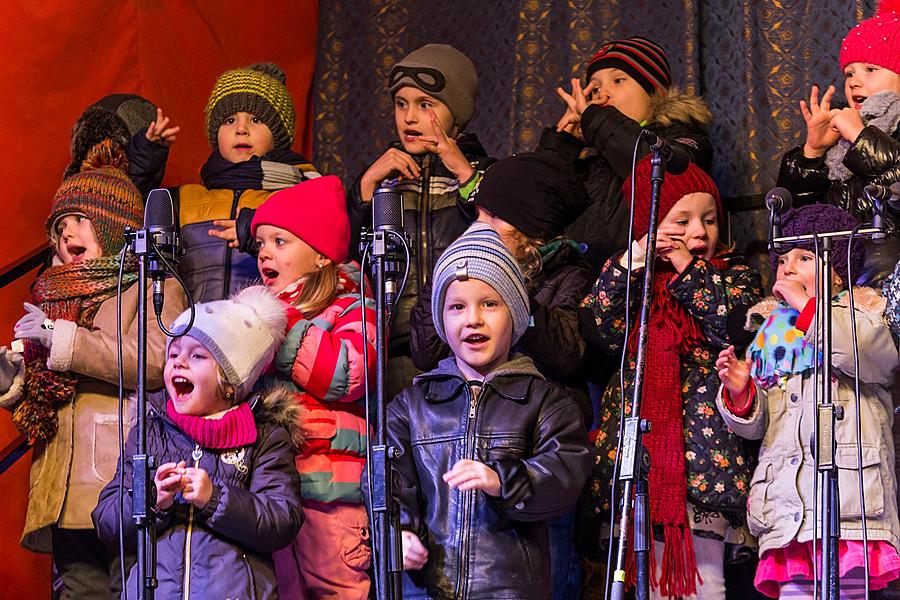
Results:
<point x="278" y="406"/>
<point x="675" y="107"/>
<point x="864" y="298"/>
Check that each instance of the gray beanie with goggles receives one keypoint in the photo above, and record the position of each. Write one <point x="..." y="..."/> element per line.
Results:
<point x="443" y="72"/>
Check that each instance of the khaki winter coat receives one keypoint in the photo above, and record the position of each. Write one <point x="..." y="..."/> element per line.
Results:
<point x="68" y="472"/>
<point x="780" y="506"/>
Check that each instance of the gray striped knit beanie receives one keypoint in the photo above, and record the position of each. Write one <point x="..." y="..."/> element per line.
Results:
<point x="480" y="254"/>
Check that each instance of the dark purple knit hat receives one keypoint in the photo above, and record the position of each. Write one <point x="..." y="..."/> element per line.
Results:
<point x="824" y="218"/>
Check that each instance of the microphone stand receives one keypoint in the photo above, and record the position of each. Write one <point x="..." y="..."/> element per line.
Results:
<point x="143" y="490"/>
<point x="827" y="413"/>
<point x="388" y="548"/>
<point x="635" y="460"/>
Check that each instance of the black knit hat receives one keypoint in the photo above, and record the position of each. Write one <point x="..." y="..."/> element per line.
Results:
<point x="538" y="193"/>
<point x="641" y="58"/>
<point x="259" y="90"/>
<point x="824" y="218"/>
<point x="116" y="117"/>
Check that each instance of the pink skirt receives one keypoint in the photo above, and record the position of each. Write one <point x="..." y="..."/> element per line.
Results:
<point x="794" y="562"/>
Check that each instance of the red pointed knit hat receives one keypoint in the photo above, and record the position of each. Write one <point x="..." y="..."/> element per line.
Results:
<point x="315" y="211"/>
<point x="877" y="40"/>
<point x="674" y="188"/>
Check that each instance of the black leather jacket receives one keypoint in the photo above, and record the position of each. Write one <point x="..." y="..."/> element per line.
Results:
<point x="526" y="429"/>
<point x="874" y="158"/>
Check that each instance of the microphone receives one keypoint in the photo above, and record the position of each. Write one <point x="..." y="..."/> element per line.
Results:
<point x="676" y="159"/>
<point x="889" y="194"/>
<point x="159" y="221"/>
<point x="387" y="218"/>
<point x="778" y="200"/>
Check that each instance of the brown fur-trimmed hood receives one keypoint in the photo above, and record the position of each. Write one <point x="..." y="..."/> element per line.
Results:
<point x="278" y="406"/>
<point x="676" y="107"/>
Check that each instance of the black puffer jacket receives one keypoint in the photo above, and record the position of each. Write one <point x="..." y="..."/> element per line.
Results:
<point x="224" y="550"/>
<point x="434" y="214"/>
<point x="523" y="427"/>
<point x="874" y="158"/>
<point x="554" y="342"/>
<point x="680" y="119"/>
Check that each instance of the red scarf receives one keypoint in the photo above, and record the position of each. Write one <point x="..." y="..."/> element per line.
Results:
<point x="235" y="429"/>
<point x="73" y="292"/>
<point x="672" y="333"/>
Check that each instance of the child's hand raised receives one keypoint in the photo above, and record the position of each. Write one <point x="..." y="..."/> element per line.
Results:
<point x="473" y="475"/>
<point x="197" y="487"/>
<point x="228" y="231"/>
<point x="576" y="103"/>
<point x="791" y="291"/>
<point x="847" y="122"/>
<point x="392" y="161"/>
<point x="819" y="134"/>
<point x="734" y="373"/>
<point x="415" y="554"/>
<point x="159" y="131"/>
<point x="447" y="150"/>
<point x="168" y="480"/>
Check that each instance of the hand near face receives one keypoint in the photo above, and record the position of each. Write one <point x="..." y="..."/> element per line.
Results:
<point x="791" y="291"/>
<point x="473" y="475"/>
<point x="447" y="150"/>
<point x="168" y="480"/>
<point x="159" y="131"/>
<point x="820" y="136"/>
<point x="847" y="122"/>
<point x="415" y="554"/>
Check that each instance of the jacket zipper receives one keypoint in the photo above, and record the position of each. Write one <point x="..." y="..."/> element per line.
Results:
<point x="462" y="583"/>
<point x="424" y="210"/>
<point x="226" y="280"/>
<point x="197" y="454"/>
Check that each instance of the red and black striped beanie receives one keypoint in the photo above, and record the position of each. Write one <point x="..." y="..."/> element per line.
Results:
<point x="103" y="192"/>
<point x="644" y="60"/>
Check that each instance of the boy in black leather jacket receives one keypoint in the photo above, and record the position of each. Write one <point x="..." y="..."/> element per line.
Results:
<point x="490" y="450"/>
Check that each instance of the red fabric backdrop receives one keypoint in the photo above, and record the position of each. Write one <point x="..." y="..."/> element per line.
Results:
<point x="59" y="57"/>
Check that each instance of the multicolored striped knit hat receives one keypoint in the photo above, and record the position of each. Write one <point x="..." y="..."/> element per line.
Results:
<point x="480" y="254"/>
<point x="641" y="58"/>
<point x="102" y="192"/>
<point x="259" y="90"/>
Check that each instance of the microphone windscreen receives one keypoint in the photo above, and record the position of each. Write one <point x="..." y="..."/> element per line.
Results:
<point x="387" y="209"/>
<point x="782" y="194"/>
<point x="159" y="211"/>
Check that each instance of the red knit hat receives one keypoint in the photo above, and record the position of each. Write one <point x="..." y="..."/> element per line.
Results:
<point x="876" y="40"/>
<point x="674" y="188"/>
<point x="315" y="211"/>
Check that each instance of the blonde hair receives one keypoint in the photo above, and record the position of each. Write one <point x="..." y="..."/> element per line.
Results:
<point x="319" y="290"/>
<point x="528" y="254"/>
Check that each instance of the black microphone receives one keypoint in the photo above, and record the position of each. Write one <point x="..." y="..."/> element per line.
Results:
<point x="677" y="159"/>
<point x="159" y="221"/>
<point x="889" y="194"/>
<point x="778" y="200"/>
<point x="387" y="217"/>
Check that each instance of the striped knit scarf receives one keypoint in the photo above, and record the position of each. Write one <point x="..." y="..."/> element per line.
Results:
<point x="73" y="292"/>
<point x="276" y="170"/>
<point x="672" y="334"/>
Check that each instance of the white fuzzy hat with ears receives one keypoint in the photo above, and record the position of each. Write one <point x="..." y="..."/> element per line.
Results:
<point x="242" y="333"/>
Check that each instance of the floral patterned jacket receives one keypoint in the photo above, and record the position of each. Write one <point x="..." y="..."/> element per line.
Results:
<point x="717" y="468"/>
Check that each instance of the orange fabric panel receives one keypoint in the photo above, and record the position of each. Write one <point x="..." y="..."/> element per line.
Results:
<point x="59" y="57"/>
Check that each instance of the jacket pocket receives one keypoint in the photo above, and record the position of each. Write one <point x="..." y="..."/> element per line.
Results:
<point x="501" y="448"/>
<point x="353" y="526"/>
<point x="759" y="509"/>
<point x="846" y="460"/>
<point x="105" y="446"/>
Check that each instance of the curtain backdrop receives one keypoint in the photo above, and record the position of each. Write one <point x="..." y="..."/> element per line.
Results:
<point x="751" y="60"/>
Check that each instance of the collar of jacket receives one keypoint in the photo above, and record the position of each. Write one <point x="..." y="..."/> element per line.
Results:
<point x="511" y="380"/>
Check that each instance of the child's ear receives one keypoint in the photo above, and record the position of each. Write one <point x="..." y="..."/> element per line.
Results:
<point x="322" y="261"/>
<point x="229" y="394"/>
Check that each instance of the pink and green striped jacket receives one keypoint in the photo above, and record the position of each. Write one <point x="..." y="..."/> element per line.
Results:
<point x="323" y="358"/>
